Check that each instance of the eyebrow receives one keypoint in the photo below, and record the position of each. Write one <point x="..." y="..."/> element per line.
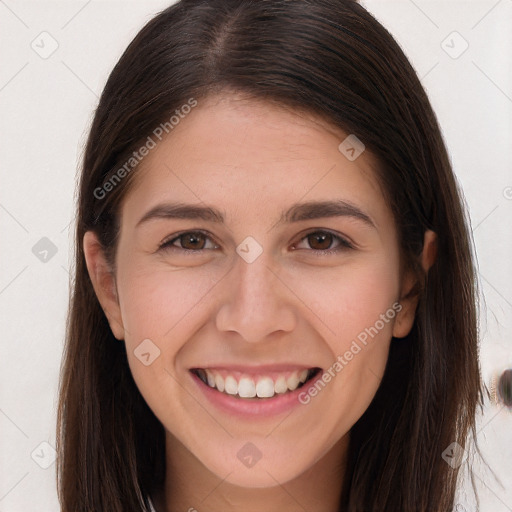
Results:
<point x="296" y="213"/>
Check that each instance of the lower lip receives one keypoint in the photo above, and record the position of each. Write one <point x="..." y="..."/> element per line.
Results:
<point x="261" y="407"/>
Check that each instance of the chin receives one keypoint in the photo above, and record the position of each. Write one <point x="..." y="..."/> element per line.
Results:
<point x="248" y="467"/>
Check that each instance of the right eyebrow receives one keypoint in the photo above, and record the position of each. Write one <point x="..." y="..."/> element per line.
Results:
<point x="182" y="211"/>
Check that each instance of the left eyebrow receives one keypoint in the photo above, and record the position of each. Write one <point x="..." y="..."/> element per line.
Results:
<point x="296" y="213"/>
<point x="321" y="209"/>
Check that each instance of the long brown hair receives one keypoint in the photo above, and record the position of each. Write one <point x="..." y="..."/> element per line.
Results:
<point x="331" y="58"/>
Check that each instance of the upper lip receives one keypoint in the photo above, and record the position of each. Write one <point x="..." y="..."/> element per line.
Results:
<point x="251" y="369"/>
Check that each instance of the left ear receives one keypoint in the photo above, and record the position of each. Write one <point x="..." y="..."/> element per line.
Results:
<point x="409" y="301"/>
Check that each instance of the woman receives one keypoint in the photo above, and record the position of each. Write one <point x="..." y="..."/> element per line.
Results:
<point x="274" y="302"/>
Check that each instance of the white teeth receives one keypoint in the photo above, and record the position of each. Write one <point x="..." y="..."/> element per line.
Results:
<point x="265" y="387"/>
<point x="293" y="381"/>
<point x="230" y="385"/>
<point x="280" y="385"/>
<point x="219" y="382"/>
<point x="247" y="387"/>
<point x="211" y="379"/>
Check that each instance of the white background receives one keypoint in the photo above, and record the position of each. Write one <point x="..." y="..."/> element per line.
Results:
<point x="46" y="107"/>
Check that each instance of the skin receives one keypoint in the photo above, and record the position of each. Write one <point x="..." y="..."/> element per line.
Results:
<point x="253" y="160"/>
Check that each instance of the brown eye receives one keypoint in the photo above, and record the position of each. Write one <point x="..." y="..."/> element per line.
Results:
<point x="192" y="241"/>
<point x="320" y="241"/>
<point x="189" y="241"/>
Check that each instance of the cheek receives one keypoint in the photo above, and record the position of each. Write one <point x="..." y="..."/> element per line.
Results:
<point x="155" y="301"/>
<point x="158" y="307"/>
<point x="360" y="317"/>
<point x="354" y="310"/>
<point x="350" y="299"/>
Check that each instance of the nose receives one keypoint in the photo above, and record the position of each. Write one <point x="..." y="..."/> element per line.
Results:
<point x="256" y="301"/>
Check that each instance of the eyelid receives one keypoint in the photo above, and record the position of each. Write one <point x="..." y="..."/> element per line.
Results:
<point x="344" y="243"/>
<point x="167" y="242"/>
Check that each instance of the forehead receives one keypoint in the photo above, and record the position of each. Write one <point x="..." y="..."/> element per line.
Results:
<point x="247" y="155"/>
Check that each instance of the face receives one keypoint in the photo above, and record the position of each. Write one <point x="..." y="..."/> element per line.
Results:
<point x="230" y="282"/>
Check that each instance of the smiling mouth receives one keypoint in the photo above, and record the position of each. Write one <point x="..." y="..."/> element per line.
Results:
<point x="249" y="387"/>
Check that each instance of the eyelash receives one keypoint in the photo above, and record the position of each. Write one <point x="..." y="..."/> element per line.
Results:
<point x="343" y="243"/>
